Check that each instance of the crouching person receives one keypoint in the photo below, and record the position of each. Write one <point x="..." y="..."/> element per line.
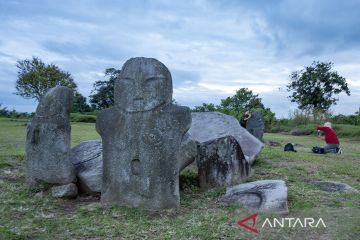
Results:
<point x="332" y="141"/>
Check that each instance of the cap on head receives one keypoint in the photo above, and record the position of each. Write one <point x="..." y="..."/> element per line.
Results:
<point x="328" y="124"/>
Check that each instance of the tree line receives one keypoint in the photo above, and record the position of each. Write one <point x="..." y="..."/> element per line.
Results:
<point x="315" y="89"/>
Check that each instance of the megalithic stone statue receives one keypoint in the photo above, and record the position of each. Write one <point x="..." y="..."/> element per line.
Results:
<point x="141" y="138"/>
<point x="48" y="140"/>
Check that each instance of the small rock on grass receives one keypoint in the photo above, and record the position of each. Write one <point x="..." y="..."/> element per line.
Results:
<point x="273" y="143"/>
<point x="331" y="186"/>
<point x="64" y="191"/>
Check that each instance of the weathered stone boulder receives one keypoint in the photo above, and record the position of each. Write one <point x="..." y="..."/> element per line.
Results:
<point x="331" y="186"/>
<point x="256" y="125"/>
<point x="65" y="191"/>
<point x="301" y="132"/>
<point x="263" y="196"/>
<point x="141" y="138"/>
<point x="48" y="140"/>
<point x="188" y="151"/>
<point x="221" y="163"/>
<point x="87" y="159"/>
<point x="208" y="126"/>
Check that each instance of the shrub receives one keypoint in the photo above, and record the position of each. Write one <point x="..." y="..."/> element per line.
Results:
<point x="4" y="112"/>
<point x="299" y="117"/>
<point x="79" y="117"/>
<point x="342" y="119"/>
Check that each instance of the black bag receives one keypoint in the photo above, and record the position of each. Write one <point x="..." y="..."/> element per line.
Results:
<point x="289" y="147"/>
<point x="318" y="150"/>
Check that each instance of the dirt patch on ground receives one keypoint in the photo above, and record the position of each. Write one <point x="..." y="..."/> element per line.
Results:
<point x="69" y="206"/>
<point x="309" y="167"/>
<point x="11" y="174"/>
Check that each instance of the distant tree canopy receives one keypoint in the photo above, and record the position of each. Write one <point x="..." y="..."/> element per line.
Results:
<point x="314" y="87"/>
<point x="80" y="104"/>
<point x="35" y="78"/>
<point x="243" y="100"/>
<point x="103" y="93"/>
<point x="205" y="107"/>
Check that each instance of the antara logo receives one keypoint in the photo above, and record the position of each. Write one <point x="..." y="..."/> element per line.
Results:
<point x="282" y="222"/>
<point x="294" y="222"/>
<point x="253" y="218"/>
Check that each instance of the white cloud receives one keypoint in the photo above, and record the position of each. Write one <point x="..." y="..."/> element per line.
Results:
<point x="212" y="48"/>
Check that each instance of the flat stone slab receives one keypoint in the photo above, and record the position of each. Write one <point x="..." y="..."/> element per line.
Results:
<point x="264" y="196"/>
<point x="331" y="186"/>
<point x="64" y="191"/>
<point x="87" y="159"/>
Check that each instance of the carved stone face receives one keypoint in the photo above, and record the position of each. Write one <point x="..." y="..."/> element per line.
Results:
<point x="143" y="84"/>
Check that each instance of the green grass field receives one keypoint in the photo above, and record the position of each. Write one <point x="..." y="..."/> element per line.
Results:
<point x="34" y="214"/>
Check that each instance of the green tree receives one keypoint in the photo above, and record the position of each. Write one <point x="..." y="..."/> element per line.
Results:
<point x="314" y="87"/>
<point x="243" y="100"/>
<point x="4" y="112"/>
<point x="80" y="104"/>
<point x="35" y="78"/>
<point x="103" y="94"/>
<point x="205" y="107"/>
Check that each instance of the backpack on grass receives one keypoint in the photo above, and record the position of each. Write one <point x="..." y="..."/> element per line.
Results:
<point x="289" y="147"/>
<point x="318" y="150"/>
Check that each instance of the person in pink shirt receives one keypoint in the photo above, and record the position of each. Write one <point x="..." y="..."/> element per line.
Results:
<point x="332" y="141"/>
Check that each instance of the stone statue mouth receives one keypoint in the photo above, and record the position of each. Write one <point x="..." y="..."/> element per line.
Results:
<point x="138" y="99"/>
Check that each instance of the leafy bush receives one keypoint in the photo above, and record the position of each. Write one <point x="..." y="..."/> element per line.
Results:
<point x="346" y="130"/>
<point x="342" y="119"/>
<point x="189" y="181"/>
<point x="80" y="117"/>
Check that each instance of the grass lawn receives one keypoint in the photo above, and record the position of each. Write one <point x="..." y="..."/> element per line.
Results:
<point x="34" y="214"/>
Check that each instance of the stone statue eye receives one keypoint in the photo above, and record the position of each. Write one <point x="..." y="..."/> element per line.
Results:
<point x="127" y="80"/>
<point x="153" y="79"/>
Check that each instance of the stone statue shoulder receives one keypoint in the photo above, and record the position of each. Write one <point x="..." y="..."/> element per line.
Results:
<point x="106" y="119"/>
<point x="180" y="114"/>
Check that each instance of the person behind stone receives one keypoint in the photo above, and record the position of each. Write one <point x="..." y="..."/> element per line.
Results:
<point x="246" y="116"/>
<point x="255" y="124"/>
<point x="332" y="141"/>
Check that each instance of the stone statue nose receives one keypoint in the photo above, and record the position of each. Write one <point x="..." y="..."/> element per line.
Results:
<point x="139" y="88"/>
<point x="138" y="93"/>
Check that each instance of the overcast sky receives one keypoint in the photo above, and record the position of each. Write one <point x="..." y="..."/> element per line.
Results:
<point x="212" y="48"/>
